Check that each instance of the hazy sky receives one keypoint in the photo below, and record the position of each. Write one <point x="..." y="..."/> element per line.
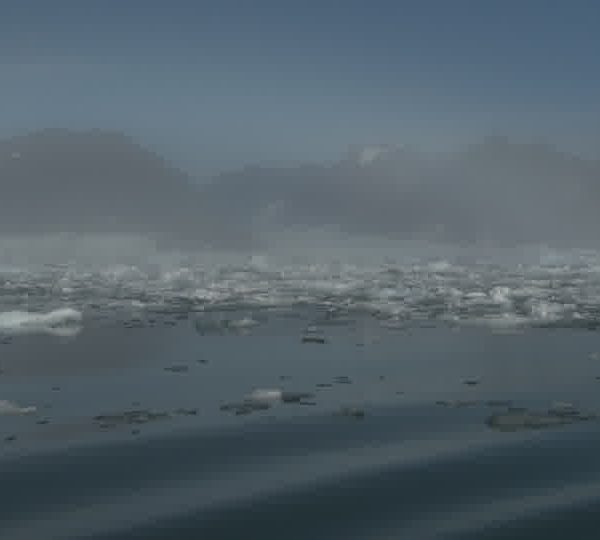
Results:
<point x="216" y="84"/>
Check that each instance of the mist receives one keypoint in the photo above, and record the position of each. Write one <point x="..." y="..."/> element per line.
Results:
<point x="103" y="189"/>
<point x="493" y="193"/>
<point x="165" y="124"/>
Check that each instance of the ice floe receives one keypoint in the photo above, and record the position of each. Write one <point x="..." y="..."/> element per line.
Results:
<point x="8" y="407"/>
<point x="60" y="322"/>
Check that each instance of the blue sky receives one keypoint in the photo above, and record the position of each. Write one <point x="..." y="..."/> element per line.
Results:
<point x="217" y="84"/>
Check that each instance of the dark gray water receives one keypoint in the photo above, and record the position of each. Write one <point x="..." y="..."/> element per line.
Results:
<point x="130" y="439"/>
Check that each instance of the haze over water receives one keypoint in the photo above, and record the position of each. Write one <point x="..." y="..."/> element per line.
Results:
<point x="327" y="270"/>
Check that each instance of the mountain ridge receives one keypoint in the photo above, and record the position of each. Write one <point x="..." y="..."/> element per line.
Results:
<point x="495" y="191"/>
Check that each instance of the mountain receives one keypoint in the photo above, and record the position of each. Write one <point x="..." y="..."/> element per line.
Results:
<point x="96" y="180"/>
<point x="58" y="180"/>
<point x="495" y="191"/>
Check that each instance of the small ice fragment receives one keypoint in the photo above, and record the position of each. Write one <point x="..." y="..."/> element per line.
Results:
<point x="313" y="339"/>
<point x="498" y="403"/>
<point x="510" y="421"/>
<point x="352" y="412"/>
<point x="457" y="403"/>
<point x="516" y="419"/>
<point x="186" y="412"/>
<point x="313" y="334"/>
<point x="208" y="326"/>
<point x="561" y="408"/>
<point x="265" y="396"/>
<point x="246" y="322"/>
<point x="245" y="407"/>
<point x="129" y="417"/>
<point x="295" y="397"/>
<point x="64" y="322"/>
<point x="178" y="368"/>
<point x="8" y="407"/>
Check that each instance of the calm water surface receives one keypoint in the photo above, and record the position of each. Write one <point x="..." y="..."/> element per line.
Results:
<point x="129" y="439"/>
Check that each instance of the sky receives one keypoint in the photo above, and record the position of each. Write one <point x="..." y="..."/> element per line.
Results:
<point x="215" y="85"/>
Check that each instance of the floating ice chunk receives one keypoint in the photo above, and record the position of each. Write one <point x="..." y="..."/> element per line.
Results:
<point x="177" y="368"/>
<point x="275" y="395"/>
<point x="246" y="322"/>
<point x="507" y="322"/>
<point x="475" y="295"/>
<point x="296" y="397"/>
<point x="262" y="399"/>
<point x="60" y="322"/>
<point x="314" y="339"/>
<point x="206" y="325"/>
<point x="245" y="407"/>
<point x="457" y="403"/>
<point x="313" y="334"/>
<point x="558" y="415"/>
<point x="8" y="407"/>
<point x="215" y="325"/>
<point x="439" y="266"/>
<point x="501" y="295"/>
<point x="352" y="412"/>
<point x="129" y="417"/>
<point x="562" y="408"/>
<point x="546" y="311"/>
<point x="265" y="396"/>
<point x="513" y="421"/>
